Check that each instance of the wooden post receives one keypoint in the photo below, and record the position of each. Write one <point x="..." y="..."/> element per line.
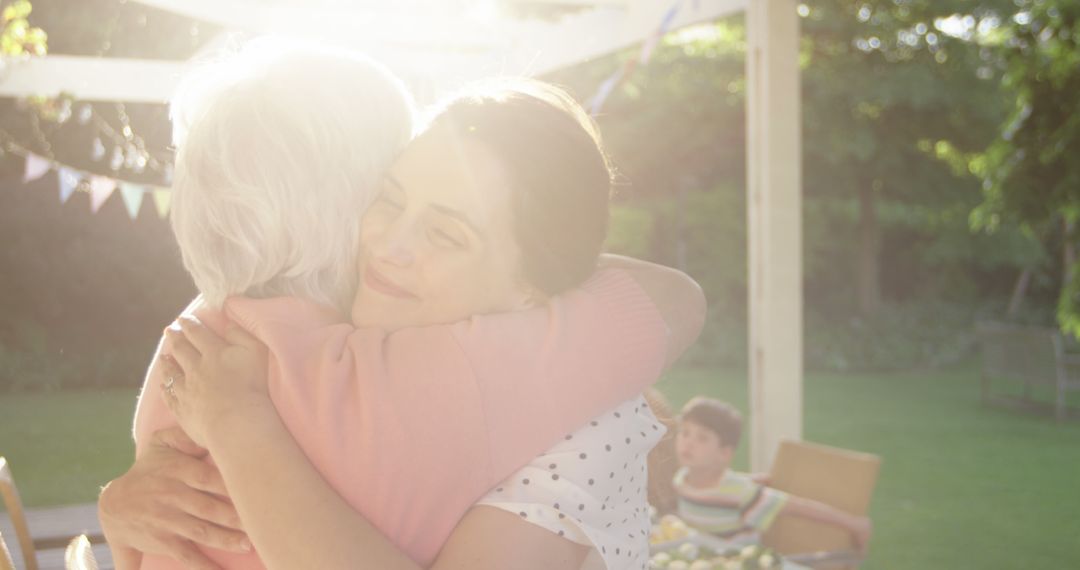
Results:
<point x="774" y="221"/>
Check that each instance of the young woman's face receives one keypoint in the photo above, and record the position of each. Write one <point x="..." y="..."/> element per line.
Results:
<point x="437" y="245"/>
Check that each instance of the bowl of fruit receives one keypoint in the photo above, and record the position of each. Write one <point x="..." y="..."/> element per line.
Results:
<point x="669" y="532"/>
<point x="690" y="556"/>
<point x="677" y="546"/>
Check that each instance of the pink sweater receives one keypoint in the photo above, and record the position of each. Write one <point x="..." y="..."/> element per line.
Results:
<point x="412" y="428"/>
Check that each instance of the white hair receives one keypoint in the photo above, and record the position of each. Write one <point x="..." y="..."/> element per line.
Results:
<point x="280" y="149"/>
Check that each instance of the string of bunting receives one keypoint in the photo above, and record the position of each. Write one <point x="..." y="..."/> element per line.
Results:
<point x="100" y="187"/>
<point x="596" y="103"/>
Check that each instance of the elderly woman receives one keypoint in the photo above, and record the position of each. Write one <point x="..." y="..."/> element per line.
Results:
<point x="440" y="400"/>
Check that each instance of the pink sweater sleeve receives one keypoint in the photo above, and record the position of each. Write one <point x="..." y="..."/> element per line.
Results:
<point x="151" y="411"/>
<point x="414" y="427"/>
<point x="545" y="373"/>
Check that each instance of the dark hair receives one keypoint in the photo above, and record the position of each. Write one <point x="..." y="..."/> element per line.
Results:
<point x="715" y="415"/>
<point x="561" y="178"/>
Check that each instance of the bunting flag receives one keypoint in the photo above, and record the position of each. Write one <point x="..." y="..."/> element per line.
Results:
<point x="604" y="91"/>
<point x="133" y="197"/>
<point x="647" y="49"/>
<point x="67" y="180"/>
<point x="70" y="180"/>
<point x="100" y="190"/>
<point x="608" y="86"/>
<point x="162" y="198"/>
<point x="36" y="167"/>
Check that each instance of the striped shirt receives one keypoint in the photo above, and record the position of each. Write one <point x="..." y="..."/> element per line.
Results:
<point x="736" y="509"/>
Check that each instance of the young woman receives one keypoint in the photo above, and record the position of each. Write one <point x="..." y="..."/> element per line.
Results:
<point x="480" y="240"/>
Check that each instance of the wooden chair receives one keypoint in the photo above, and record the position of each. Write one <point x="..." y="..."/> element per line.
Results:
<point x="10" y="495"/>
<point x="5" y="556"/>
<point x="78" y="555"/>
<point x="841" y="478"/>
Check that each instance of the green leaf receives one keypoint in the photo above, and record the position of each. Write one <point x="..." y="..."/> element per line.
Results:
<point x="22" y="8"/>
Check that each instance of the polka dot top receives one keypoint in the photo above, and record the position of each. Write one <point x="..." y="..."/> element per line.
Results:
<point x="591" y="488"/>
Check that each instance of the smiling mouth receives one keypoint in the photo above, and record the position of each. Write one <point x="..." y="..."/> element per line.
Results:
<point x="375" y="281"/>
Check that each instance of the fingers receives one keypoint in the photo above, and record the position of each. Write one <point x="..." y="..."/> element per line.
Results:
<point x="209" y="508"/>
<point x="199" y="475"/>
<point x="173" y="381"/>
<point x="176" y="438"/>
<point x="237" y="335"/>
<point x="183" y="352"/>
<point x="206" y="534"/>
<point x="173" y="402"/>
<point x="163" y="462"/>
<point x="186" y="553"/>
<point x="200" y="336"/>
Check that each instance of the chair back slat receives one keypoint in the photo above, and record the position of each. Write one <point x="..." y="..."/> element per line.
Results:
<point x="6" y="563"/>
<point x="10" y="495"/>
<point x="838" y="477"/>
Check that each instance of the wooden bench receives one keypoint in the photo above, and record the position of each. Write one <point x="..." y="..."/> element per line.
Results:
<point x="1030" y="356"/>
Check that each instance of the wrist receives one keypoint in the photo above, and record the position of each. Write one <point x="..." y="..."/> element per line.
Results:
<point x="850" y="521"/>
<point x="244" y="418"/>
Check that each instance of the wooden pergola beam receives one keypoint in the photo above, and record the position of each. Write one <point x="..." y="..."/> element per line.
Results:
<point x="594" y="33"/>
<point x="511" y="47"/>
<point x="575" y="3"/>
<point x="92" y="78"/>
<point x="774" y="222"/>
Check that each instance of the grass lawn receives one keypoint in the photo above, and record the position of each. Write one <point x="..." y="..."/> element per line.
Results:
<point x="63" y="446"/>
<point x="961" y="486"/>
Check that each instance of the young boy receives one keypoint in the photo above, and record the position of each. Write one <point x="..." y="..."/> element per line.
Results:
<point x="737" y="507"/>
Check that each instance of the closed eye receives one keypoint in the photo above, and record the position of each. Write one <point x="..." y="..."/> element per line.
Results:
<point x="446" y="239"/>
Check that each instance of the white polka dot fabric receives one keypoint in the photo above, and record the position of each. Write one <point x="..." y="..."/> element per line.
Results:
<point x="591" y="487"/>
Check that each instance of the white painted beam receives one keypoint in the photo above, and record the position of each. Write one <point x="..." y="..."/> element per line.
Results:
<point x="515" y="47"/>
<point x="410" y="25"/>
<point x="496" y="46"/>
<point x="774" y="220"/>
<point x="575" y="3"/>
<point x="541" y="47"/>
<point x="91" y="78"/>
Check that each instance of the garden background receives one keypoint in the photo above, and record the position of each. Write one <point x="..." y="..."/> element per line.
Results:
<point x="941" y="188"/>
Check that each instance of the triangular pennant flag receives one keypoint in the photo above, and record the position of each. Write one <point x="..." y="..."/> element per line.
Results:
<point x="36" y="167"/>
<point x="647" y="49"/>
<point x="602" y="93"/>
<point x="68" y="180"/>
<point x="100" y="190"/>
<point x="162" y="197"/>
<point x="669" y="17"/>
<point x="132" y="196"/>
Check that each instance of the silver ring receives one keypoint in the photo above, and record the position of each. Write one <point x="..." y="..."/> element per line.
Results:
<point x="167" y="385"/>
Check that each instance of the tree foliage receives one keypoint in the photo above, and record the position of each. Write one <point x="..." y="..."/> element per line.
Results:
<point x="899" y="96"/>
<point x="17" y="36"/>
<point x="1032" y="169"/>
